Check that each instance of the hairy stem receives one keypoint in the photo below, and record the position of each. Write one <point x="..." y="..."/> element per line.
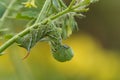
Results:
<point x="37" y="23"/>
<point x="72" y="3"/>
<point x="43" y="11"/>
<point x="24" y="32"/>
<point x="82" y="4"/>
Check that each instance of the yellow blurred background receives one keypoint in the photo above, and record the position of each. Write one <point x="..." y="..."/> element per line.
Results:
<point x="90" y="62"/>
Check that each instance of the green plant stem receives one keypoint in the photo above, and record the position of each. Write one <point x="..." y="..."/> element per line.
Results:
<point x="62" y="3"/>
<point x="72" y="3"/>
<point x="12" y="40"/>
<point x="27" y="30"/>
<point x="47" y="2"/>
<point x="6" y="12"/>
<point x="82" y="4"/>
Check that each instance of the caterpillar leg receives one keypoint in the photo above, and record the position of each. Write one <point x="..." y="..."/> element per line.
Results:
<point x="28" y="53"/>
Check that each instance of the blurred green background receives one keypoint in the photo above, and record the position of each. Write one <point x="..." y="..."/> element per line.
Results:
<point x="96" y="46"/>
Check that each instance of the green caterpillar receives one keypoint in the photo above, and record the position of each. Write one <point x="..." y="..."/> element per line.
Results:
<point x="53" y="32"/>
<point x="49" y="33"/>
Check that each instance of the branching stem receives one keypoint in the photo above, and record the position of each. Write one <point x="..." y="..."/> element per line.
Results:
<point x="24" y="32"/>
<point x="37" y="23"/>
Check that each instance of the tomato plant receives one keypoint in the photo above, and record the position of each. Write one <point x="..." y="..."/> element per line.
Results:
<point x="53" y="22"/>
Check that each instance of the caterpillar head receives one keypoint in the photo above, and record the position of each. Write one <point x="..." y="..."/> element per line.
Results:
<point x="63" y="53"/>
